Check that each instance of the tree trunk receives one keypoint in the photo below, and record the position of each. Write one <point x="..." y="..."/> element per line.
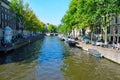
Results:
<point x="113" y="34"/>
<point x="91" y="37"/>
<point x="105" y="36"/>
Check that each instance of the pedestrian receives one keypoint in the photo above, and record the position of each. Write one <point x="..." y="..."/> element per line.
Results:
<point x="113" y="45"/>
<point x="118" y="46"/>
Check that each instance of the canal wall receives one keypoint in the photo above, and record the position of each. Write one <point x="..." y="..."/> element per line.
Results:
<point x="27" y="41"/>
<point x="20" y="43"/>
<point x="108" y="53"/>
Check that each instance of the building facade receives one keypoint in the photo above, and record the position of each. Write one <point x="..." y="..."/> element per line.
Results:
<point x="114" y="29"/>
<point x="6" y="17"/>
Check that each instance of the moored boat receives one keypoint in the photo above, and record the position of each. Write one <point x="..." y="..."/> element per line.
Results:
<point x="71" y="43"/>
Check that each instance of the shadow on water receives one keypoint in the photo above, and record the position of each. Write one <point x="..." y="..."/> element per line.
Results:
<point x="87" y="67"/>
<point x="25" y="54"/>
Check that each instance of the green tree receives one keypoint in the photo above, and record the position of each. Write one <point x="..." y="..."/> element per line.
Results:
<point x="17" y="7"/>
<point x="90" y="13"/>
<point x="26" y="16"/>
<point x="51" y="28"/>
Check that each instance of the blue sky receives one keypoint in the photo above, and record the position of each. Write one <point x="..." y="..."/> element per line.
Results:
<point x="49" y="11"/>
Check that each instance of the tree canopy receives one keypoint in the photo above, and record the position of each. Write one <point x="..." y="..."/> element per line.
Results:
<point x="51" y="28"/>
<point x="89" y="13"/>
<point x="26" y="16"/>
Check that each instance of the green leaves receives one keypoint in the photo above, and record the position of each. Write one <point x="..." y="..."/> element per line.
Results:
<point x="89" y="13"/>
<point x="51" y="28"/>
<point x="26" y="16"/>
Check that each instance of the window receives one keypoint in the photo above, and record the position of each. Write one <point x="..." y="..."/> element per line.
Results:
<point x="2" y="24"/>
<point x="8" y="18"/>
<point x="5" y="23"/>
<point x="2" y="9"/>
<point x="5" y="17"/>
<point x="108" y="30"/>
<point x="5" y="10"/>
<point x="2" y="16"/>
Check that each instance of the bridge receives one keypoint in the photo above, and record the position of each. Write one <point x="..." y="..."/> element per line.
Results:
<point x="51" y="34"/>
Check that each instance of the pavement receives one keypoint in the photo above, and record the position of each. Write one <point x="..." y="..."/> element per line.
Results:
<point x="109" y="53"/>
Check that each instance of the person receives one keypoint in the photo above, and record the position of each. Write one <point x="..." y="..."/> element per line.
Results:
<point x="113" y="45"/>
<point x="118" y="46"/>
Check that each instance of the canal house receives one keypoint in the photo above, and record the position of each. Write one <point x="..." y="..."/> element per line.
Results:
<point x="113" y="31"/>
<point x="7" y="19"/>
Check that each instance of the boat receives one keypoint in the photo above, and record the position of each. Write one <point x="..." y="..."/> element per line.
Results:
<point x="95" y="53"/>
<point x="71" y="43"/>
<point x="48" y="34"/>
<point x="62" y="39"/>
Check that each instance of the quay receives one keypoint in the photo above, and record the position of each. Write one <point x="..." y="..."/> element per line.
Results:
<point x="108" y="53"/>
<point x="19" y="43"/>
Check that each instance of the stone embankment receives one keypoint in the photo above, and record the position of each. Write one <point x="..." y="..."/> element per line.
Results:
<point x="20" y="43"/>
<point x="109" y="53"/>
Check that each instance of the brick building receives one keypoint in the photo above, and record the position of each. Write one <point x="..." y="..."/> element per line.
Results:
<point x="6" y="18"/>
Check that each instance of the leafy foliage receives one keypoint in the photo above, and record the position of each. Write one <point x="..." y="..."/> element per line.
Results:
<point x="51" y="28"/>
<point x="26" y="16"/>
<point x="89" y="13"/>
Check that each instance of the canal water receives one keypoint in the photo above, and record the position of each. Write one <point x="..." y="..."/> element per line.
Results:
<point x="51" y="59"/>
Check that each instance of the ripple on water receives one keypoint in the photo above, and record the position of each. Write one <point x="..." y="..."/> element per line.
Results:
<point x="50" y="60"/>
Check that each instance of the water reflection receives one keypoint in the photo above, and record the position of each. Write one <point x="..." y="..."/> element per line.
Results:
<point x="52" y="59"/>
<point x="25" y="54"/>
<point x="20" y="64"/>
<point x="86" y="67"/>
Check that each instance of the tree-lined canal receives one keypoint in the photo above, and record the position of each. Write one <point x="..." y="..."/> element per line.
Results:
<point x="49" y="59"/>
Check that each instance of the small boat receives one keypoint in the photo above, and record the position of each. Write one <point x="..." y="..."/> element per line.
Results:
<point x="62" y="39"/>
<point x="48" y="34"/>
<point x="95" y="53"/>
<point x="71" y="43"/>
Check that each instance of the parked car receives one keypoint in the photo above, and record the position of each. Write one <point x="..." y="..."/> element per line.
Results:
<point x="98" y="43"/>
<point x="93" y="43"/>
<point x="86" y="39"/>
